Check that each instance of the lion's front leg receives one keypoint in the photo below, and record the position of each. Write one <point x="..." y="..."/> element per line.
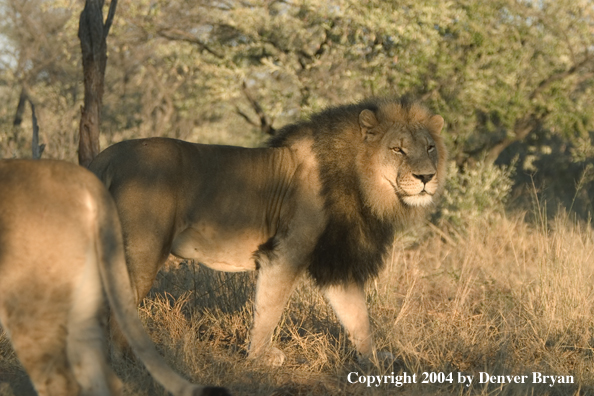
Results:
<point x="349" y="304"/>
<point x="274" y="286"/>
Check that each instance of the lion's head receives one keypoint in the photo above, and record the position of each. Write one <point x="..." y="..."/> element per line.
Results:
<point x="402" y="158"/>
<point x="381" y="164"/>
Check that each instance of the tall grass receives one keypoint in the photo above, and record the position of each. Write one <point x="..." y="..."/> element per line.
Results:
<point x="505" y="297"/>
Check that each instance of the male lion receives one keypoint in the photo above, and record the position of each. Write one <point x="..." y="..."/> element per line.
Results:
<point x="325" y="198"/>
<point x="61" y="250"/>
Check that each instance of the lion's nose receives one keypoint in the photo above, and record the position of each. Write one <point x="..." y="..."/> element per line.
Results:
<point x="425" y="178"/>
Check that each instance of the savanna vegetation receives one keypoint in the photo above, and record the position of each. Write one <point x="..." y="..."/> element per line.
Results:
<point x="500" y="280"/>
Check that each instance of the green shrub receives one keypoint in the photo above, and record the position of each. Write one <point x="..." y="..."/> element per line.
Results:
<point x="476" y="191"/>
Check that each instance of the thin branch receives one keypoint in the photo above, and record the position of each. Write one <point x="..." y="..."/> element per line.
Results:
<point x="552" y="24"/>
<point x="544" y="84"/>
<point x="180" y="35"/>
<point x="18" y="116"/>
<point x="521" y="130"/>
<point x="109" y="20"/>
<point x="265" y="122"/>
<point x="36" y="148"/>
<point x="430" y="93"/>
<point x="245" y="117"/>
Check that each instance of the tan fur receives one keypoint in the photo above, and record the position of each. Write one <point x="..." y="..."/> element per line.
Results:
<point x="325" y="198"/>
<point x="61" y="253"/>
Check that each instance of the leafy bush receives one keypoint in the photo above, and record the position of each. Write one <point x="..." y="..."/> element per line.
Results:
<point x="476" y="191"/>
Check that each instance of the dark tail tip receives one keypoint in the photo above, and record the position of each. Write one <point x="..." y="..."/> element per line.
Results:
<point x="214" y="391"/>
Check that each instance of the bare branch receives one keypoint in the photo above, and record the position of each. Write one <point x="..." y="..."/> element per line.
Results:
<point x="18" y="115"/>
<point x="265" y="122"/>
<point x="521" y="130"/>
<point x="36" y="148"/>
<point x="109" y="20"/>
<point x="544" y="84"/>
<point x="245" y="117"/>
<point x="180" y="35"/>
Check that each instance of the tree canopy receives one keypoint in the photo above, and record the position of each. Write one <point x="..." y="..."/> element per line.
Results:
<point x="502" y="72"/>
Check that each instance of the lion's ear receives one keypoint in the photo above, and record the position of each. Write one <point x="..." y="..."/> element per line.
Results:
<point x="367" y="121"/>
<point x="435" y="124"/>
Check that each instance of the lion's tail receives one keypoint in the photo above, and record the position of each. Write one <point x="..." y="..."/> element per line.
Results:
<point x="116" y="281"/>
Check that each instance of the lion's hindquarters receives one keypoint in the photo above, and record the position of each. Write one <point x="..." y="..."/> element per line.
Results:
<point x="50" y="298"/>
<point x="86" y="335"/>
<point x="113" y="277"/>
<point x="57" y="226"/>
<point x="116" y="280"/>
<point x="36" y="325"/>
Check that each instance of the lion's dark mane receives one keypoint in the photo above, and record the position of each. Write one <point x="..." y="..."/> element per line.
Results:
<point x="355" y="241"/>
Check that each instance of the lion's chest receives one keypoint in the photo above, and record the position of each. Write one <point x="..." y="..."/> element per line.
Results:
<point x="219" y="249"/>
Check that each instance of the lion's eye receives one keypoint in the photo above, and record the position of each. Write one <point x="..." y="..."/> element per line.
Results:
<point x="431" y="149"/>
<point x="398" y="150"/>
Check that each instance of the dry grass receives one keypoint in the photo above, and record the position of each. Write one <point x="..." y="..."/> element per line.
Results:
<point x="506" y="298"/>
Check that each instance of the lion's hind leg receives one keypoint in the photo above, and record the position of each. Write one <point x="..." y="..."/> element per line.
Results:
<point x="147" y="248"/>
<point x="86" y="334"/>
<point x="36" y="325"/>
<point x="141" y="283"/>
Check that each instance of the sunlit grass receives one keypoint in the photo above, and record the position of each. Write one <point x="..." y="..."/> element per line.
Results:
<point x="506" y="298"/>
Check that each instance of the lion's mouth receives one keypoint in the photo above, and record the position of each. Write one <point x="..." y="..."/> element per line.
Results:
<point x="400" y="192"/>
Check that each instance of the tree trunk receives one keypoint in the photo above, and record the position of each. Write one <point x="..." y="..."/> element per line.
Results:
<point x="92" y="34"/>
<point x="521" y="131"/>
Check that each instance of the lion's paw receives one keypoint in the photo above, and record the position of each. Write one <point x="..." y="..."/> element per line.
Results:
<point x="378" y="359"/>
<point x="270" y="357"/>
<point x="274" y="357"/>
<point x="385" y="357"/>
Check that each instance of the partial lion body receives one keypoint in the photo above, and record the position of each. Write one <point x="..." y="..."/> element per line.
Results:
<point x="233" y="221"/>
<point x="61" y="256"/>
<point x="326" y="199"/>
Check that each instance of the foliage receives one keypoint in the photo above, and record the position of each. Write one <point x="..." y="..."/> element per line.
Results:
<point x="498" y="71"/>
<point x="476" y="192"/>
